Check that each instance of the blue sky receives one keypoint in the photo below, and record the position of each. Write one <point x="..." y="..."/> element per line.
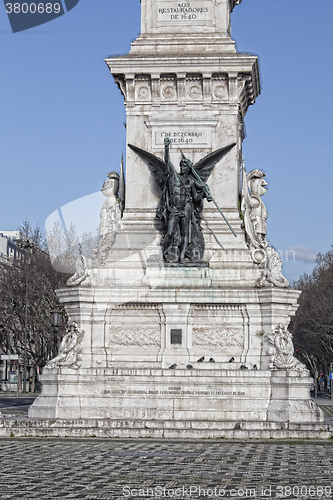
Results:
<point x="61" y="125"/>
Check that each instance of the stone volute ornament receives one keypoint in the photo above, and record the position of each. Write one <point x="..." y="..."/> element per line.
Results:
<point x="255" y="216"/>
<point x="282" y="350"/>
<point x="70" y="349"/>
<point x="181" y="202"/>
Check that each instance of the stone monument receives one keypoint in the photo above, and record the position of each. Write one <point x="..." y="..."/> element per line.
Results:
<point x="178" y="324"/>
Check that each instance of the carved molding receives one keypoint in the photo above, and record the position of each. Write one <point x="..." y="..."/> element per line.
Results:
<point x="136" y="307"/>
<point x="216" y="307"/>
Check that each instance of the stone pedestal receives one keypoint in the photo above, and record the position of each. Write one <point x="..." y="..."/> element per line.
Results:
<point x="180" y="350"/>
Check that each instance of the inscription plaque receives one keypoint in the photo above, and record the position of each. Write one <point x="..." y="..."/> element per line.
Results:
<point x="180" y="13"/>
<point x="176" y="336"/>
<point x="171" y="391"/>
<point x="183" y="137"/>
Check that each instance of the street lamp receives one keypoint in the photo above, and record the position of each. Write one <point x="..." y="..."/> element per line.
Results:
<point x="56" y="316"/>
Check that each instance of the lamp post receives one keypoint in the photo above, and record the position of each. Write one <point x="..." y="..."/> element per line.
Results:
<point x="56" y="316"/>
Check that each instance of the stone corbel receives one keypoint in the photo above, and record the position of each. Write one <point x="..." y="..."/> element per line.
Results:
<point x="181" y="89"/>
<point x="207" y="88"/>
<point x="121" y="84"/>
<point x="156" y="89"/>
<point x="233" y="87"/>
<point x="130" y="89"/>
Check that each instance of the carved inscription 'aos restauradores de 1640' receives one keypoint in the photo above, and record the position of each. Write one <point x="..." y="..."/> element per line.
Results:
<point x="184" y="12"/>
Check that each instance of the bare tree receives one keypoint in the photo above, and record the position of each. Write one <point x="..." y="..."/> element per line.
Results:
<point x="66" y="246"/>
<point x="312" y="326"/>
<point x="33" y="268"/>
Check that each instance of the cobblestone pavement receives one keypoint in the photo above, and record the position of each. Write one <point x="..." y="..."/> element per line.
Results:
<point x="132" y="469"/>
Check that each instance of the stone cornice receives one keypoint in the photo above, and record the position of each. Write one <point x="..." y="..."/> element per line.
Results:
<point x="240" y="63"/>
<point x="126" y="67"/>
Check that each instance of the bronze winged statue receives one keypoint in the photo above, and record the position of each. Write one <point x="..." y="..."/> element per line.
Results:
<point x="181" y="203"/>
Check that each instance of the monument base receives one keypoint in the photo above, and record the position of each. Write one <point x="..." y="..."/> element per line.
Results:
<point x="172" y="360"/>
<point x="213" y="395"/>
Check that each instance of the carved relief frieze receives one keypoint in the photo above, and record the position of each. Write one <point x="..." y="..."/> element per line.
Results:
<point x="135" y="336"/>
<point x="218" y="336"/>
<point x="218" y="325"/>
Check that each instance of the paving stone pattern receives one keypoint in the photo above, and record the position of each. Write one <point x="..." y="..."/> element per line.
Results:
<point x="119" y="469"/>
<point x="328" y="410"/>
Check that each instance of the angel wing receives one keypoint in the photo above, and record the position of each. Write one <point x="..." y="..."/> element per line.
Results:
<point x="156" y="166"/>
<point x="204" y="167"/>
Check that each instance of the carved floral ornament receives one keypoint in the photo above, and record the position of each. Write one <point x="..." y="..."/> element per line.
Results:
<point x="169" y="92"/>
<point x="143" y="92"/>
<point x="220" y="92"/>
<point x="195" y="92"/>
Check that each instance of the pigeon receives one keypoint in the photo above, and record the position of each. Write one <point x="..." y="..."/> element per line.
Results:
<point x="243" y="367"/>
<point x="212" y="360"/>
<point x="201" y="359"/>
<point x="172" y="367"/>
<point x="232" y="359"/>
<point x="255" y="367"/>
<point x="189" y="366"/>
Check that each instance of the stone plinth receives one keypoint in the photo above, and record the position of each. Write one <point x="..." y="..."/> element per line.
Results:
<point x="127" y="350"/>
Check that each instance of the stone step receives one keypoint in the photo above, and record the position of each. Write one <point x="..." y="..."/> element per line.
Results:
<point x="106" y="428"/>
